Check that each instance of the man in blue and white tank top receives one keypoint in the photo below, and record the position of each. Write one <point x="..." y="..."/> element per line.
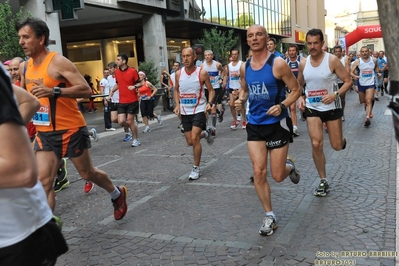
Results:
<point x="191" y="104"/>
<point x="269" y="128"/>
<point x="293" y="61"/>
<point x="232" y="77"/>
<point x="367" y="66"/>
<point x="215" y="72"/>
<point x="322" y="104"/>
<point x="345" y="63"/>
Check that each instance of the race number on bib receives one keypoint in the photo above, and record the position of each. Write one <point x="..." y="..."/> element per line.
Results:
<point x="42" y="118"/>
<point x="188" y="99"/>
<point x="314" y="97"/>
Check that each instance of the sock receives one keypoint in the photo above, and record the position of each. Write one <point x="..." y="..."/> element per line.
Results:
<point x="115" y="194"/>
<point x="271" y="214"/>
<point x="214" y="120"/>
<point x="323" y="179"/>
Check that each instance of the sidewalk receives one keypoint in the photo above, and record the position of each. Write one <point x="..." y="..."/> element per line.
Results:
<point x="215" y="219"/>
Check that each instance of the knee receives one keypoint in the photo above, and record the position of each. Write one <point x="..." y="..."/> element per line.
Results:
<point x="88" y="174"/>
<point x="317" y="145"/>
<point x="47" y="182"/>
<point x="278" y="177"/>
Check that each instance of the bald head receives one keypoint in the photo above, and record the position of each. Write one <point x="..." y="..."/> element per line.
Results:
<point x="14" y="68"/>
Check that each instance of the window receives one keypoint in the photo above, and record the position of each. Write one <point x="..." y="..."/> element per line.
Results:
<point x="126" y="48"/>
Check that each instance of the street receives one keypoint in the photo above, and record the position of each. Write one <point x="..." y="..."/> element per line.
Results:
<point x="215" y="219"/>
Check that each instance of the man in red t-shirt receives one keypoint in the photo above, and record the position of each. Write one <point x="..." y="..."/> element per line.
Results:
<point x="126" y="78"/>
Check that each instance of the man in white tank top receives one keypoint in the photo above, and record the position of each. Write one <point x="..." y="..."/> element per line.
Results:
<point x="367" y="65"/>
<point x="215" y="72"/>
<point x="322" y="102"/>
<point x="191" y="104"/>
<point x="232" y="76"/>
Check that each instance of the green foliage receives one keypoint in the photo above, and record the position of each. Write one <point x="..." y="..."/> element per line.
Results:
<point x="222" y="21"/>
<point x="9" y="41"/>
<point x="151" y="72"/>
<point x="244" y="21"/>
<point x="220" y="42"/>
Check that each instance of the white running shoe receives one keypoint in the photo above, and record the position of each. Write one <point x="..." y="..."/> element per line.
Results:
<point x="147" y="129"/>
<point x="195" y="173"/>
<point x="94" y="134"/>
<point x="159" y="117"/>
<point x="136" y="143"/>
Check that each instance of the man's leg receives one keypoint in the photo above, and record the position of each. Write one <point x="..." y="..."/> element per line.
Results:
<point x="315" y="130"/>
<point x="87" y="171"/>
<point x="233" y="109"/>
<point x="294" y="119"/>
<point x="343" y="103"/>
<point x="337" y="140"/>
<point x="47" y="163"/>
<point x="133" y="127"/>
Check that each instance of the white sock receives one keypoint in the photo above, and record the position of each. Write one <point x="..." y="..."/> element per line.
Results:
<point x="271" y="214"/>
<point x="115" y="194"/>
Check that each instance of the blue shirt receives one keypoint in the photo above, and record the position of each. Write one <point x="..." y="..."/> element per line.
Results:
<point x="262" y="94"/>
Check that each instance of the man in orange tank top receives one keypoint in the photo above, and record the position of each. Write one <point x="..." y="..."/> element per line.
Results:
<point x="61" y="128"/>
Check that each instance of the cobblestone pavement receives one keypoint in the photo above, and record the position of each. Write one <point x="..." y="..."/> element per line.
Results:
<point x="215" y="219"/>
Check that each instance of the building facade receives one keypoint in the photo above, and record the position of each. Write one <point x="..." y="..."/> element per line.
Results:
<point x="92" y="32"/>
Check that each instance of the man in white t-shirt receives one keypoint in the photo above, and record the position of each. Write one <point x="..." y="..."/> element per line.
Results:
<point x="105" y="89"/>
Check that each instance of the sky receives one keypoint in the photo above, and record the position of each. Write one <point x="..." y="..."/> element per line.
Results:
<point x="335" y="7"/>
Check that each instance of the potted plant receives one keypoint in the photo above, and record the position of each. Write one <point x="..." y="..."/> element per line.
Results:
<point x="152" y="76"/>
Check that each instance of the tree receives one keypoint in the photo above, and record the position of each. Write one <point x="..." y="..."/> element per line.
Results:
<point x="220" y="42"/>
<point x="244" y="21"/>
<point x="387" y="10"/>
<point x="150" y="71"/>
<point x="9" y="41"/>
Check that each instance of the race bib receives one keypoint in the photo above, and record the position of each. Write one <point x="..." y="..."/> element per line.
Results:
<point x="42" y="117"/>
<point x="367" y="73"/>
<point x="314" y="97"/>
<point x="188" y="99"/>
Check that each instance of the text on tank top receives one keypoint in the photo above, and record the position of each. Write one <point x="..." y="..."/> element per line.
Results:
<point x="234" y="75"/>
<point x="192" y="94"/>
<point x="57" y="113"/>
<point x="366" y="72"/>
<point x="320" y="81"/>
<point x="213" y="73"/>
<point x="294" y="65"/>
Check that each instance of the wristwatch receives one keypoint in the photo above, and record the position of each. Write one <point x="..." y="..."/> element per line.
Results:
<point x="211" y="104"/>
<point x="282" y="106"/>
<point x="56" y="91"/>
<point x="336" y="94"/>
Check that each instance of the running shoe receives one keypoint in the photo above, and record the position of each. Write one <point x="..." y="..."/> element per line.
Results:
<point x="159" y="117"/>
<point x="61" y="181"/>
<point x="136" y="143"/>
<point x="88" y="187"/>
<point x="221" y="116"/>
<point x="181" y="128"/>
<point x="58" y="222"/>
<point x="128" y="137"/>
<point x="147" y="129"/>
<point x="209" y="138"/>
<point x="238" y="117"/>
<point x="295" y="131"/>
<point x="120" y="205"/>
<point x="195" y="173"/>
<point x="94" y="134"/>
<point x="367" y="122"/>
<point x="294" y="174"/>
<point x="60" y="185"/>
<point x="343" y="118"/>
<point x="322" y="189"/>
<point x="213" y="130"/>
<point x="244" y="125"/>
<point x="234" y="125"/>
<point x="110" y="129"/>
<point x="268" y="226"/>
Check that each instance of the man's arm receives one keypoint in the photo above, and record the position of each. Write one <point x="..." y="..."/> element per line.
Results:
<point x="27" y="104"/>
<point x="176" y="93"/>
<point x="225" y="77"/>
<point x="282" y="71"/>
<point x="353" y="71"/>
<point x="15" y="170"/>
<point x="301" y="82"/>
<point x="22" y="74"/>
<point x="243" y="92"/>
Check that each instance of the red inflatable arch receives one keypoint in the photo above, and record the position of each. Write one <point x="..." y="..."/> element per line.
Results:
<point x="363" y="32"/>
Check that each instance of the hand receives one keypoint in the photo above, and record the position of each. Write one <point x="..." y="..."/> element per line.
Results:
<point x="301" y="104"/>
<point x="105" y="102"/>
<point x="238" y="104"/>
<point x="177" y="109"/>
<point x="275" y="110"/>
<point x="329" y="98"/>
<point x="41" y="91"/>
<point x="208" y="107"/>
<point x="131" y="87"/>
